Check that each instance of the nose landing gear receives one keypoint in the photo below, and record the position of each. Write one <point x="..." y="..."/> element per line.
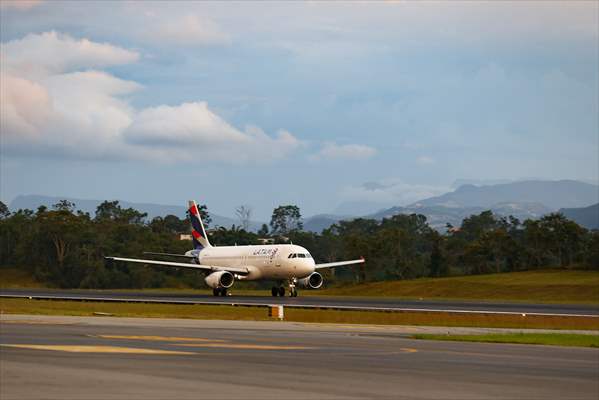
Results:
<point x="280" y="290"/>
<point x="292" y="289"/>
<point x="219" y="292"/>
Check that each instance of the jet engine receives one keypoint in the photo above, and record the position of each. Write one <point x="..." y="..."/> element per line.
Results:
<point x="314" y="281"/>
<point x="220" y="279"/>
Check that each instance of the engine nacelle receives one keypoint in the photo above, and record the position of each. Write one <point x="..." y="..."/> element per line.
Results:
<point x="314" y="281"/>
<point x="220" y="279"/>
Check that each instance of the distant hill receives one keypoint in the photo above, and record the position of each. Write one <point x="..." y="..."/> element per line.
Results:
<point x="552" y="194"/>
<point x="439" y="216"/>
<point x="359" y="207"/>
<point x="32" y="202"/>
<point x="585" y="216"/>
<point x="318" y="223"/>
<point x="523" y="199"/>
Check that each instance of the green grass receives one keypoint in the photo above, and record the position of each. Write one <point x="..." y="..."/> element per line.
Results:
<point x="554" y="339"/>
<point x="48" y="307"/>
<point x="16" y="278"/>
<point x="79" y="308"/>
<point x="541" y="286"/>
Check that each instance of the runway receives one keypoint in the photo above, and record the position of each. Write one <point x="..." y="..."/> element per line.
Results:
<point x="118" y="358"/>
<point x="318" y="301"/>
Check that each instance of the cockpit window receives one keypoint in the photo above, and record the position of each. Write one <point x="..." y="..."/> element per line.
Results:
<point x="299" y="255"/>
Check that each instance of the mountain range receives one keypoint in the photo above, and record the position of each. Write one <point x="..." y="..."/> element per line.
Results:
<point x="32" y="202"/>
<point x="585" y="216"/>
<point x="529" y="199"/>
<point x="523" y="199"/>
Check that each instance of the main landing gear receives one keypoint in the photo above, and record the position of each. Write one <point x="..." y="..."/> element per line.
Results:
<point x="280" y="290"/>
<point x="219" y="291"/>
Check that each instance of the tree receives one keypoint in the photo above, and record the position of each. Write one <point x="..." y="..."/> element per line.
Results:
<point x="437" y="263"/>
<point x="4" y="212"/>
<point x="64" y="205"/>
<point x="111" y="210"/>
<point x="61" y="227"/>
<point x="244" y="214"/>
<point x="286" y="219"/>
<point x="263" y="231"/>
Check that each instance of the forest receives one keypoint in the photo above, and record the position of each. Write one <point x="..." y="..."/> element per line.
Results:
<point x="63" y="247"/>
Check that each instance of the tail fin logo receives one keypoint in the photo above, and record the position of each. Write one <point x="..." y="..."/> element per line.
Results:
<point x="199" y="238"/>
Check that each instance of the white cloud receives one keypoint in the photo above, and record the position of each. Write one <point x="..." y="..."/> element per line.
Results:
<point x="40" y="55"/>
<point x="50" y="107"/>
<point x="194" y="129"/>
<point x="188" y="30"/>
<point x="332" y="150"/>
<point x="425" y="160"/>
<point x="25" y="105"/>
<point x="20" y="4"/>
<point x="390" y="192"/>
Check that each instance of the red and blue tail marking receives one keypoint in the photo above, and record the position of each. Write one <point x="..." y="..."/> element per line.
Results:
<point x="198" y="233"/>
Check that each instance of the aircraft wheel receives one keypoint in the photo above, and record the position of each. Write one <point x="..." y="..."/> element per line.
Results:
<point x="282" y="291"/>
<point x="274" y="291"/>
<point x="215" y="292"/>
<point x="223" y="292"/>
<point x="294" y="293"/>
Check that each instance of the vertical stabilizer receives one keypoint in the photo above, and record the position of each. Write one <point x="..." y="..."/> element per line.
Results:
<point x="198" y="233"/>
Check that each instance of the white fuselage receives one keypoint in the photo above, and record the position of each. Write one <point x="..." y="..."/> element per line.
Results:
<point x="270" y="262"/>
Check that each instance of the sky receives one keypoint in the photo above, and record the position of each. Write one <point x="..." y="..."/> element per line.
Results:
<point x="337" y="107"/>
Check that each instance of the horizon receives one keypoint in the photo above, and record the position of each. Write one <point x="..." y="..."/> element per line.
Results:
<point x="313" y="104"/>
<point x="254" y="219"/>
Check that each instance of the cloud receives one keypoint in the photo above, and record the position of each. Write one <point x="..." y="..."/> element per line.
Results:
<point x="332" y="150"/>
<point x="40" y="55"/>
<point x="189" y="30"/>
<point x="51" y="107"/>
<point x="194" y="128"/>
<point x="425" y="160"/>
<point x="390" y="192"/>
<point x="20" y="4"/>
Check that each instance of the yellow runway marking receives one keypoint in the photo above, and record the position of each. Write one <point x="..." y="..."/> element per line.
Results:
<point x="10" y="321"/>
<point x="161" y="338"/>
<point x="408" y="350"/>
<point x="243" y="346"/>
<point x="95" y="349"/>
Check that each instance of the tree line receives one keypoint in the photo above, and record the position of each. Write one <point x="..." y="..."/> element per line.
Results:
<point x="65" y="247"/>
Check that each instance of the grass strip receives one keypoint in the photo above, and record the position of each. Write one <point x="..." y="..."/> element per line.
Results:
<point x="540" y="286"/>
<point x="83" y="308"/>
<point x="552" y="339"/>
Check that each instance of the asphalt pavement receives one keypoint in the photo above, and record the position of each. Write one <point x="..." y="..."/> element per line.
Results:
<point x="324" y="301"/>
<point x="135" y="358"/>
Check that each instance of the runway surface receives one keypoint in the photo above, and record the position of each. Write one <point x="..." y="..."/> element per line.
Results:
<point x="129" y="358"/>
<point x="325" y="301"/>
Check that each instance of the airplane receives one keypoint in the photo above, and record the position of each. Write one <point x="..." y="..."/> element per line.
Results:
<point x="225" y="264"/>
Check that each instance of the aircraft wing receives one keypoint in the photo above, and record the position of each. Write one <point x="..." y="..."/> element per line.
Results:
<point x="235" y="270"/>
<point x="169" y="255"/>
<point x="339" y="263"/>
